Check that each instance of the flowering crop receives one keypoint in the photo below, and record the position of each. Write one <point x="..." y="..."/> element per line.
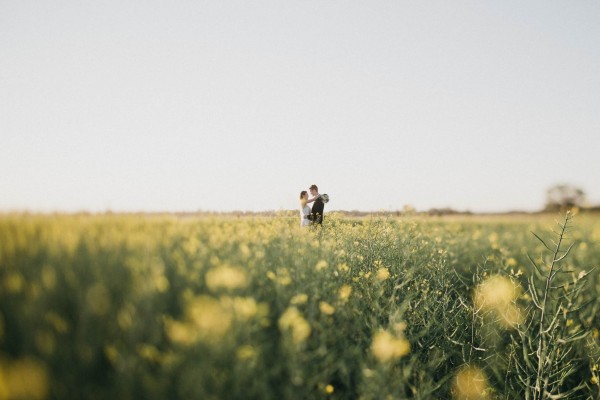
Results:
<point x="154" y="307"/>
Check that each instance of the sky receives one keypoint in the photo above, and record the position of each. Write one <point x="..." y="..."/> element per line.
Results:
<point x="240" y="105"/>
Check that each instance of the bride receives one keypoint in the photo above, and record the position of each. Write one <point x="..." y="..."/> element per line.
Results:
<point x="304" y="209"/>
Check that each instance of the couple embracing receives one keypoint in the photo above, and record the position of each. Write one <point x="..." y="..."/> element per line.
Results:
<point x="312" y="216"/>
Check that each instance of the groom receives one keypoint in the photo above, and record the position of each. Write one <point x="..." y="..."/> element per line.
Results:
<point x="316" y="214"/>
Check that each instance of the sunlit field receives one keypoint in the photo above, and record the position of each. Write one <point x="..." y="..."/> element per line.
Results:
<point x="167" y="307"/>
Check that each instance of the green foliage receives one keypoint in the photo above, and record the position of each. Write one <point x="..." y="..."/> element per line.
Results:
<point x="161" y="307"/>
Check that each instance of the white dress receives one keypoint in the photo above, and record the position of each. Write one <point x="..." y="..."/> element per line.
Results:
<point x="304" y="212"/>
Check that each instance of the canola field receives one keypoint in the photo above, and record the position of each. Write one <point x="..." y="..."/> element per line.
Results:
<point x="168" y="307"/>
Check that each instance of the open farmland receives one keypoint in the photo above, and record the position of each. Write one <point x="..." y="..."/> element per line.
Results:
<point x="166" y="307"/>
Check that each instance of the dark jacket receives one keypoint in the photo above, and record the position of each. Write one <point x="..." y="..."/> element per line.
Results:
<point x="316" y="214"/>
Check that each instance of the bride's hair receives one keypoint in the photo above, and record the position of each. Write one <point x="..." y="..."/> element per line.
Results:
<point x="302" y="199"/>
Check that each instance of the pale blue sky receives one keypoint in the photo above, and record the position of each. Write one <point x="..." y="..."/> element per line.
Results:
<point x="240" y="105"/>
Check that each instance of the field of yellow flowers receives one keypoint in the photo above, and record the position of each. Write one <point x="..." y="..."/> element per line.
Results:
<point x="167" y="307"/>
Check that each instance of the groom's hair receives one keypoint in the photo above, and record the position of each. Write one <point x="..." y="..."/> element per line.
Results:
<point x="314" y="187"/>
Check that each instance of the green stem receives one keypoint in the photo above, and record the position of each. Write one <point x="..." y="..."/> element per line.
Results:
<point x="539" y="390"/>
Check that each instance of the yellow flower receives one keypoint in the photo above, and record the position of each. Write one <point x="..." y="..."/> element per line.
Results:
<point x="292" y="320"/>
<point x="569" y="322"/>
<point x="326" y="308"/>
<point x="299" y="299"/>
<point x="226" y="277"/>
<point x="382" y="274"/>
<point x="344" y="293"/>
<point x="321" y="265"/>
<point x="470" y="383"/>
<point x="497" y="294"/>
<point x="495" y="291"/>
<point x="209" y="316"/>
<point x="180" y="332"/>
<point x="208" y="319"/>
<point x="343" y="267"/>
<point x="245" y="308"/>
<point x="387" y="347"/>
<point x="329" y="389"/>
<point x="161" y="283"/>
<point x="25" y="378"/>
